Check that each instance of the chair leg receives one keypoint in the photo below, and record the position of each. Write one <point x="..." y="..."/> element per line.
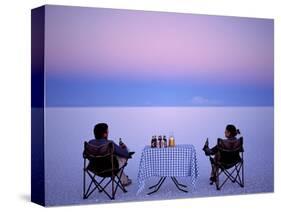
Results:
<point x="238" y="176"/>
<point x="230" y="176"/>
<point x="88" y="190"/>
<point x="97" y="186"/>
<point x="112" y="191"/>
<point x="217" y="180"/>
<point x="101" y="188"/>
<point x="104" y="187"/>
<point x="238" y="179"/>
<point x="119" y="184"/>
<point x="242" y="174"/>
<point x="84" y="179"/>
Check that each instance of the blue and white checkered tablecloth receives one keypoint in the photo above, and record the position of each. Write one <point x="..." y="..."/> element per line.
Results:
<point x="178" y="161"/>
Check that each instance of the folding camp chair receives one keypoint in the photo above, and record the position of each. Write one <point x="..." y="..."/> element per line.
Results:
<point x="229" y="161"/>
<point x="101" y="165"/>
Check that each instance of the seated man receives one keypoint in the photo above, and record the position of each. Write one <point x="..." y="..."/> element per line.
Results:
<point x="101" y="135"/>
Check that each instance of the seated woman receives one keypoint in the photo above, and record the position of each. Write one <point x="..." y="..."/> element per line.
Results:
<point x="230" y="133"/>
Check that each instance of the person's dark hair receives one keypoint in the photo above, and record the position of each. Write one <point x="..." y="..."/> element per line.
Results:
<point x="100" y="129"/>
<point x="232" y="130"/>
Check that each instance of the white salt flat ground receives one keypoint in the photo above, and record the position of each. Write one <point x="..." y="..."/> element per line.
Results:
<point x="67" y="128"/>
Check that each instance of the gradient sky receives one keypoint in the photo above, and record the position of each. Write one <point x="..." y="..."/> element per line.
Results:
<point x="110" y="57"/>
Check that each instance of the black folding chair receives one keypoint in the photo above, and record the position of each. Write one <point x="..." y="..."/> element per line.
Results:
<point x="229" y="161"/>
<point x="101" y="165"/>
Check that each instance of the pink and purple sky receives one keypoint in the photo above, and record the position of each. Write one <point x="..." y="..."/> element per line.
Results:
<point x="111" y="57"/>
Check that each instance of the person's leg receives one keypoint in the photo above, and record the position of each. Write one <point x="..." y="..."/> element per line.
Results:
<point x="214" y="150"/>
<point x="124" y="178"/>
<point x="216" y="169"/>
<point x="207" y="150"/>
<point x="210" y="151"/>
<point x="212" y="175"/>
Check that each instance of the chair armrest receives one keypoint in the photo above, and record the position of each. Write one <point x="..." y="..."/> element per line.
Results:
<point x="130" y="154"/>
<point x="122" y="167"/>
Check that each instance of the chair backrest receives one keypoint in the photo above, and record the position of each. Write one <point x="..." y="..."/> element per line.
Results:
<point x="229" y="150"/>
<point x="231" y="145"/>
<point x="102" y="160"/>
<point x="93" y="151"/>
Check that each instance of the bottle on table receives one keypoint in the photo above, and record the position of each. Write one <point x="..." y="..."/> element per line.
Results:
<point x="171" y="141"/>
<point x="153" y="142"/>
<point x="164" y="141"/>
<point x="160" y="141"/>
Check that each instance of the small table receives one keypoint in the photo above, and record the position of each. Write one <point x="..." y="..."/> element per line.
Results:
<point x="178" y="161"/>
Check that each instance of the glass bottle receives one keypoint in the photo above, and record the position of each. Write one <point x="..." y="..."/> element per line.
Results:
<point x="164" y="141"/>
<point x="160" y="141"/>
